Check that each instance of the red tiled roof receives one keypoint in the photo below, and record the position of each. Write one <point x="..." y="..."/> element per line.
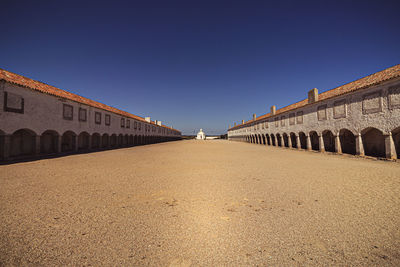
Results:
<point x="51" y="90"/>
<point x="376" y="78"/>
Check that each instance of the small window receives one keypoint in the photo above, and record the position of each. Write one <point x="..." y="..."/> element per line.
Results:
<point x="128" y="124"/>
<point x="82" y="114"/>
<point x="276" y="122"/>
<point x="139" y="126"/>
<point x="299" y="117"/>
<point x="97" y="117"/>
<point x="321" y="113"/>
<point x="68" y="112"/>
<point x="107" y="119"/>
<point x="283" y="120"/>
<point x="135" y="125"/>
<point x="122" y="123"/>
<point x="13" y="103"/>
<point x="292" y="118"/>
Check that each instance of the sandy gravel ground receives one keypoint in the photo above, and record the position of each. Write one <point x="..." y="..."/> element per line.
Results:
<point x="201" y="203"/>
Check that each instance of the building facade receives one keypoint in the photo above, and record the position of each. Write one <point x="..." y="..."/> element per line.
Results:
<point x="39" y="119"/>
<point x="360" y="118"/>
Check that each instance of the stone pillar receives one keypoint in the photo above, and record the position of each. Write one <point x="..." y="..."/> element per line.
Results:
<point x="59" y="143"/>
<point x="289" y="141"/>
<point x="308" y="142"/>
<point x="321" y="143"/>
<point x="389" y="147"/>
<point x="298" y="144"/>
<point x="282" y="141"/>
<point x="338" y="147"/>
<point x="37" y="145"/>
<point x="7" y="146"/>
<point x="359" y="145"/>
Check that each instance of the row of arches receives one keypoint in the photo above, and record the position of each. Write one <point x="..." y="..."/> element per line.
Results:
<point x="370" y="142"/>
<point x="25" y="142"/>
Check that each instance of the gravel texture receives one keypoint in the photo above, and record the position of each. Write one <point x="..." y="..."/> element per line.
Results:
<point x="201" y="203"/>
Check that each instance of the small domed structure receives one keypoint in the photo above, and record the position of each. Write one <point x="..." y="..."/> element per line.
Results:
<point x="201" y="135"/>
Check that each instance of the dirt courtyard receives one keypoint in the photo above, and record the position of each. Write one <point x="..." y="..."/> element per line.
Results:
<point x="200" y="203"/>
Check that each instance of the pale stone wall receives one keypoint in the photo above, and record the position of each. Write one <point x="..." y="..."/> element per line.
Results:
<point x="43" y="112"/>
<point x="376" y="107"/>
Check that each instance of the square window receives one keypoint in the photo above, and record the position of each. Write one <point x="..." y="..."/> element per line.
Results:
<point x="276" y="122"/>
<point x="283" y="121"/>
<point x="139" y="126"/>
<point x="128" y="124"/>
<point x="321" y="113"/>
<point x="68" y="112"/>
<point x="122" y="123"/>
<point x="292" y="118"/>
<point x="372" y="103"/>
<point x="97" y="117"/>
<point x="299" y="117"/>
<point x="135" y="125"/>
<point x="107" y="119"/>
<point x="13" y="103"/>
<point x="82" y="114"/>
<point x="339" y="109"/>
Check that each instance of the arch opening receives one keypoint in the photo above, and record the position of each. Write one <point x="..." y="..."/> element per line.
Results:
<point x="83" y="141"/>
<point x="314" y="140"/>
<point x="293" y="139"/>
<point x="303" y="140"/>
<point x="105" y="140"/>
<point x="96" y="141"/>
<point x="273" y="139"/>
<point x="22" y="143"/>
<point x="347" y="141"/>
<point x="49" y="142"/>
<point x="68" y="141"/>
<point x="285" y="140"/>
<point x="396" y="140"/>
<point x="329" y="141"/>
<point x="374" y="142"/>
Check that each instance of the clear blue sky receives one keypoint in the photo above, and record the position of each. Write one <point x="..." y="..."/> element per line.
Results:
<point x="198" y="64"/>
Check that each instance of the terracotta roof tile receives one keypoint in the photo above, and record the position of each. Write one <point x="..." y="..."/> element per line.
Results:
<point x="376" y="78"/>
<point x="51" y="90"/>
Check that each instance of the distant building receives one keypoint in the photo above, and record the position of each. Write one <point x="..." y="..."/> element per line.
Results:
<point x="201" y="135"/>
<point x="39" y="119"/>
<point x="361" y="117"/>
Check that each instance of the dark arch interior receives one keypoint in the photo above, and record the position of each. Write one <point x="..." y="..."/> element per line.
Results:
<point x="96" y="141"/>
<point x="347" y="142"/>
<point x="105" y="140"/>
<point x="279" y="139"/>
<point x="396" y="140"/>
<point x="83" y="141"/>
<point x="294" y="141"/>
<point x="49" y="142"/>
<point x="68" y="142"/>
<point x="23" y="143"/>
<point x="314" y="141"/>
<point x="303" y="140"/>
<point x="286" y="140"/>
<point x="273" y="140"/>
<point x="329" y="141"/>
<point x="374" y="142"/>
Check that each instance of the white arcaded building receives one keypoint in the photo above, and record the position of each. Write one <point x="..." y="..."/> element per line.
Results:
<point x="39" y="119"/>
<point x="361" y="117"/>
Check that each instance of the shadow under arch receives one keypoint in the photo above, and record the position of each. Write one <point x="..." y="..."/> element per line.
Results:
<point x="374" y="142"/>
<point x="347" y="141"/>
<point x="396" y="140"/>
<point x="329" y="140"/>
<point x="49" y="142"/>
<point x="23" y="143"/>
